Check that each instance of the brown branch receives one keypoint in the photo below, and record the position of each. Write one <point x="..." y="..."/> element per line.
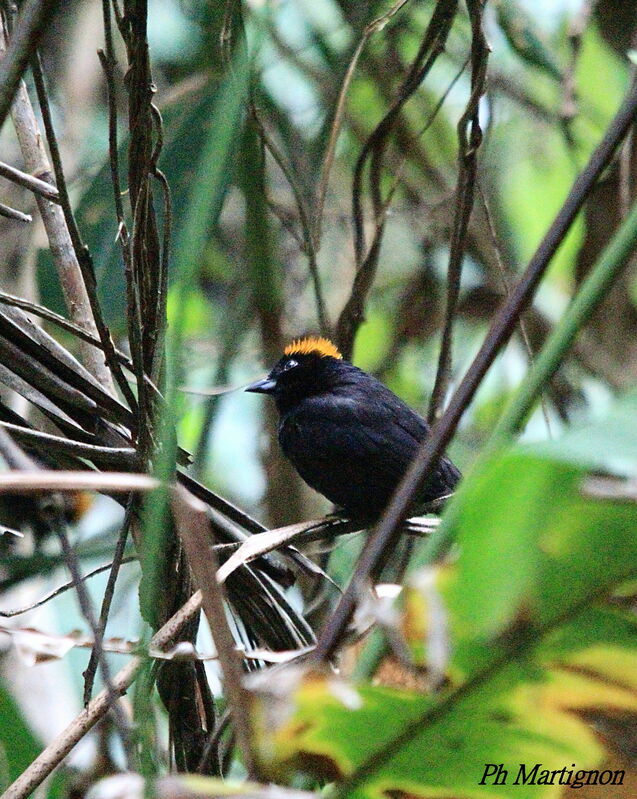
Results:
<point x="36" y="161"/>
<point x="501" y="330"/>
<point x="109" y="591"/>
<point x="194" y="530"/>
<point x="469" y="139"/>
<point x="26" y="37"/>
<point x="61" y="589"/>
<point x="35" y="185"/>
<point x="59" y="748"/>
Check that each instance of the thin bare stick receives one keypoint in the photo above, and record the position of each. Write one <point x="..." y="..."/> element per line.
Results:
<point x="109" y="591"/>
<point x="61" y="589"/>
<point x="34" y="15"/>
<point x="28" y="482"/>
<point x="60" y="747"/>
<point x="507" y="288"/>
<point x="35" y="185"/>
<point x="192" y="523"/>
<point x="12" y="213"/>
<point x="469" y="139"/>
<point x="339" y="114"/>
<point x="37" y="162"/>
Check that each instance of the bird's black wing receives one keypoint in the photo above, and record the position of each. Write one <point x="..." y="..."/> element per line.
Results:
<point x="354" y="448"/>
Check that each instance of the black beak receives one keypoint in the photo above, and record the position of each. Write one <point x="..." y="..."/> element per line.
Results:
<point x="264" y="386"/>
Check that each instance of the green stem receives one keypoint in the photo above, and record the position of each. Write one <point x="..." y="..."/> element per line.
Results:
<point x="592" y="291"/>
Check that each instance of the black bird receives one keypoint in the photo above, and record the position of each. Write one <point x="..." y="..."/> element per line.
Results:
<point x="349" y="437"/>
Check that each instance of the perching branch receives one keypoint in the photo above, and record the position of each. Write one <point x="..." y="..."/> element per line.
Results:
<point x="501" y="330"/>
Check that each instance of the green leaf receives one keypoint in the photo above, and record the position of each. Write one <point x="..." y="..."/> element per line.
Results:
<point x="18" y="745"/>
<point x="528" y="712"/>
<point x="532" y="649"/>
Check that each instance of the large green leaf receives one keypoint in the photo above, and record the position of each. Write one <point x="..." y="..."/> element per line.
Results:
<point x="534" y="651"/>
<point x="527" y="712"/>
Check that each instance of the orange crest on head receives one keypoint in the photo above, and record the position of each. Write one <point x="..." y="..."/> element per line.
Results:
<point x="313" y="345"/>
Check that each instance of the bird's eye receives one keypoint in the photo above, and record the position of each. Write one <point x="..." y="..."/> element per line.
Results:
<point x="290" y="364"/>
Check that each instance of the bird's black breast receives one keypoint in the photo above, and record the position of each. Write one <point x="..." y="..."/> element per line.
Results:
<point x="354" y="444"/>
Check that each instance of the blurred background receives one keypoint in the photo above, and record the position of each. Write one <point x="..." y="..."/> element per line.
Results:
<point x="557" y="72"/>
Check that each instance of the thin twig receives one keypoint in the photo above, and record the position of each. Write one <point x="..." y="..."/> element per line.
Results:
<point x="507" y="288"/>
<point x="26" y="37"/>
<point x="97" y="708"/>
<point x="591" y="292"/>
<point x="469" y="139"/>
<point x="12" y="213"/>
<point x="194" y="529"/>
<point x="35" y="185"/>
<point x="109" y="591"/>
<point x="86" y="608"/>
<point x="61" y="589"/>
<point x="164" y="262"/>
<point x="501" y="330"/>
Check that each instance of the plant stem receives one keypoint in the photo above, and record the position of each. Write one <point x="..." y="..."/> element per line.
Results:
<point x="592" y="291"/>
